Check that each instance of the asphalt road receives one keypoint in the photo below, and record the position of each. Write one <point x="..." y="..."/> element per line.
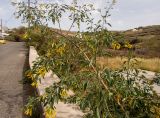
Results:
<point x="12" y="59"/>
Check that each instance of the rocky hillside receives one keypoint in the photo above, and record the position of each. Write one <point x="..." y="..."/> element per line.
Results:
<point x="146" y="40"/>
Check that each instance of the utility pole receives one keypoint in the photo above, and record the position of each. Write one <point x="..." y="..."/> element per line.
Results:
<point x="29" y="13"/>
<point x="1" y="28"/>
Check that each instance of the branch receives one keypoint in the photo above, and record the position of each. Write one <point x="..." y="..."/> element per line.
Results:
<point x="87" y="58"/>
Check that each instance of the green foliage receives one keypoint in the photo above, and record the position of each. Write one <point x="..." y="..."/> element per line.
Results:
<point x="98" y="91"/>
<point x="16" y="34"/>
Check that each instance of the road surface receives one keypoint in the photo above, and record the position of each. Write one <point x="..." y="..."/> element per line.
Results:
<point x="12" y="59"/>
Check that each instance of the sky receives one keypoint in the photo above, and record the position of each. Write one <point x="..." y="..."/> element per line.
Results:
<point x="126" y="14"/>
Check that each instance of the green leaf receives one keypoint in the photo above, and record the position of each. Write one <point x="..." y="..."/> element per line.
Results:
<point x="97" y="113"/>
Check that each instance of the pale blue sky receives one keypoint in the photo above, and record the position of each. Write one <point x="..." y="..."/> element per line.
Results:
<point x="126" y="14"/>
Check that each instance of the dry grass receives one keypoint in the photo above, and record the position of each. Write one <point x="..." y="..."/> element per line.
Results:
<point x="152" y="64"/>
<point x="113" y="63"/>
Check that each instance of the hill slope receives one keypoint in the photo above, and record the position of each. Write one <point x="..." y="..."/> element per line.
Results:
<point x="146" y="40"/>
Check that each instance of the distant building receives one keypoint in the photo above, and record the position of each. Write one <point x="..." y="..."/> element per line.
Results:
<point x="134" y="30"/>
<point x="3" y="32"/>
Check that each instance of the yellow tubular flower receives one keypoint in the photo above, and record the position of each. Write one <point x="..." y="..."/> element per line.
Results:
<point x="63" y="93"/>
<point x="34" y="84"/>
<point x="44" y="96"/>
<point x="60" y="50"/>
<point x="25" y="36"/>
<point x="50" y="112"/>
<point x="29" y="75"/>
<point x="127" y="45"/>
<point x="113" y="45"/>
<point x="41" y="71"/>
<point x="28" y="112"/>
<point x="116" y="45"/>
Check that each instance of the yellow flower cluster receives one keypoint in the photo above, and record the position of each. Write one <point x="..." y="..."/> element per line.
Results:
<point x="60" y="50"/>
<point x="28" y="111"/>
<point x="41" y="71"/>
<point x="25" y="36"/>
<point x="63" y="93"/>
<point x="43" y="97"/>
<point x="29" y="75"/>
<point x="115" y="45"/>
<point x="50" y="112"/>
<point x="127" y="45"/>
<point x="34" y="84"/>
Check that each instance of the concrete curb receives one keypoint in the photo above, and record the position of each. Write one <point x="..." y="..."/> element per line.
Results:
<point x="63" y="110"/>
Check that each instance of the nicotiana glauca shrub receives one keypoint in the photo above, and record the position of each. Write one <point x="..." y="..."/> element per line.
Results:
<point x="99" y="91"/>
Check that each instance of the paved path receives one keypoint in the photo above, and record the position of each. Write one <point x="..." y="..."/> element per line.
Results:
<point x="12" y="59"/>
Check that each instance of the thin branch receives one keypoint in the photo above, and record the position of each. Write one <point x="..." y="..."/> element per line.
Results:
<point x="87" y="58"/>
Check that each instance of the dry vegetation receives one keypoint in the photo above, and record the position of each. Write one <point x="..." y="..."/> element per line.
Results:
<point x="145" y="40"/>
<point x="152" y="64"/>
<point x="146" y="49"/>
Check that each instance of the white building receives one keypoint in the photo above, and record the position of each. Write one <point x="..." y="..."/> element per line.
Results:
<point x="134" y="30"/>
<point x="3" y="32"/>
